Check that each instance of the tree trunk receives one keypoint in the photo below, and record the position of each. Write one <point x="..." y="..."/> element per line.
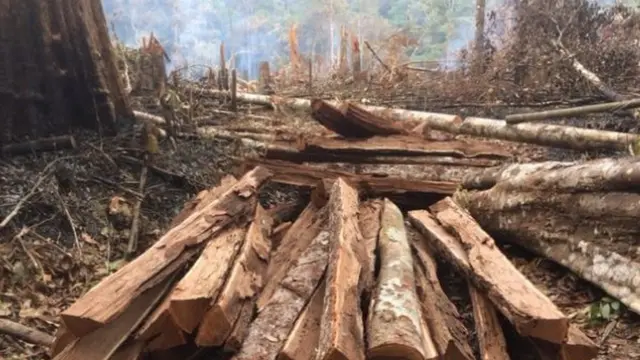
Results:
<point x="478" y="60"/>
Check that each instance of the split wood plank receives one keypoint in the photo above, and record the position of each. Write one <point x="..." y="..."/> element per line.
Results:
<point x="439" y="313"/>
<point x="242" y="285"/>
<point x="194" y="293"/>
<point x="491" y="340"/>
<point x="369" y="223"/>
<point x="303" y="231"/>
<point x="303" y="339"/>
<point x="113" y="294"/>
<point x="395" y="326"/>
<point x="342" y="333"/>
<point x="475" y="255"/>
<point x="268" y="332"/>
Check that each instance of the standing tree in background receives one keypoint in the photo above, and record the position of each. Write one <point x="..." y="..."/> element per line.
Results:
<point x="478" y="46"/>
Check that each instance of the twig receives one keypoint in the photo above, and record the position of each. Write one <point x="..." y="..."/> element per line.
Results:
<point x="25" y="333"/>
<point x="386" y="67"/>
<point x="135" y="222"/>
<point x="71" y="222"/>
<point x="115" y="185"/>
<point x="35" y="262"/>
<point x="44" y="175"/>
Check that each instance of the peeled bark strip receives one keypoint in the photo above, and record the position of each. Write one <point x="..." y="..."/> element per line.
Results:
<point x="588" y="232"/>
<point x="475" y="255"/>
<point x="341" y="333"/>
<point x="301" y="234"/>
<point x="491" y="341"/>
<point x="395" y="326"/>
<point x="310" y="176"/>
<point x="303" y="339"/>
<point x="606" y="174"/>
<point x="270" y="329"/>
<point x="539" y="134"/>
<point x="403" y="146"/>
<point x="242" y="285"/>
<point x="438" y="312"/>
<point x="113" y="294"/>
<point x="193" y="295"/>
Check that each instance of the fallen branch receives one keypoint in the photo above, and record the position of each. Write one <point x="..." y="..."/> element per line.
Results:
<point x="40" y="145"/>
<point x="539" y="134"/>
<point x="575" y="111"/>
<point x="385" y="66"/>
<point x="135" y="223"/>
<point x="30" y="335"/>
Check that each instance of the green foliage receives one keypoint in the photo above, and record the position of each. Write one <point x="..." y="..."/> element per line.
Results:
<point x="604" y="310"/>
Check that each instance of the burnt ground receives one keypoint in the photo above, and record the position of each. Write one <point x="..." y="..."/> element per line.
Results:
<point x="62" y="242"/>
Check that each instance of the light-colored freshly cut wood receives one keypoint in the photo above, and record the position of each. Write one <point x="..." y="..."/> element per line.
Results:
<point x="369" y="223"/>
<point x="303" y="339"/>
<point x="475" y="254"/>
<point x="341" y="333"/>
<point x="274" y="322"/>
<point x="578" y="346"/>
<point x="438" y="312"/>
<point x="492" y="343"/>
<point x="112" y="295"/>
<point x="295" y="242"/>
<point x="242" y="285"/>
<point x="194" y="293"/>
<point x="240" y="328"/>
<point x="395" y="327"/>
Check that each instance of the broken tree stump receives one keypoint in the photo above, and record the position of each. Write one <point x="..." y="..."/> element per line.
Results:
<point x="341" y="332"/>
<point x="476" y="256"/>
<point x="395" y="326"/>
<point x="113" y="294"/>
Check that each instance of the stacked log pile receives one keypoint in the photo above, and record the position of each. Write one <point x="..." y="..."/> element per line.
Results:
<point x="221" y="281"/>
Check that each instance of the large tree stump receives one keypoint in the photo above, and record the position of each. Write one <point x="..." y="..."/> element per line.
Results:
<point x="57" y="69"/>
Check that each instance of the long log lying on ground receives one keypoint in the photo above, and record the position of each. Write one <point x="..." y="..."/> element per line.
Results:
<point x="275" y="320"/>
<point x="112" y="295"/>
<point x="352" y="121"/>
<point x="476" y="256"/>
<point x="574" y="111"/>
<point x="395" y="326"/>
<point x="242" y="286"/>
<point x="588" y="211"/>
<point x="439" y="313"/>
<point x="539" y="134"/>
<point x="309" y="176"/>
<point x="491" y="341"/>
<point x="39" y="145"/>
<point x="341" y="331"/>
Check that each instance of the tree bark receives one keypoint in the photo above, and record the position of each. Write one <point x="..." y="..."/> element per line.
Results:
<point x="395" y="326"/>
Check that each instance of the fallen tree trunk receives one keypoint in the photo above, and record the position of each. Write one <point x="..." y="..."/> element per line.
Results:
<point x="309" y="176"/>
<point x="539" y="134"/>
<point x="475" y="255"/>
<point x="112" y="295"/>
<point x="589" y="212"/>
<point x="438" y="312"/>
<point x="395" y="326"/>
<point x="352" y="121"/>
<point x="491" y="341"/>
<point x="574" y="111"/>
<point x="341" y="332"/>
<point x="25" y="333"/>
<point x="40" y="145"/>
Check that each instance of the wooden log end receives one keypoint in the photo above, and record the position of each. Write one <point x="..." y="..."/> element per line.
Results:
<point x="394" y="351"/>
<point x="188" y="313"/>
<point x="215" y="329"/>
<point x="79" y="325"/>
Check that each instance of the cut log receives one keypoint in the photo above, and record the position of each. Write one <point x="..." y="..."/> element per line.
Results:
<point x="476" y="256"/>
<point x="577" y="346"/>
<point x="269" y="330"/>
<point x="242" y="285"/>
<point x="539" y="134"/>
<point x="31" y="335"/>
<point x="491" y="341"/>
<point x="63" y="338"/>
<point x="608" y="174"/>
<point x="309" y="176"/>
<point x="40" y="145"/>
<point x="240" y="328"/>
<point x="193" y="295"/>
<point x="438" y="312"/>
<point x="105" y="341"/>
<point x="403" y="146"/>
<point x="574" y="111"/>
<point x="303" y="231"/>
<point x="589" y="211"/>
<point x="160" y="331"/>
<point x="395" y="327"/>
<point x="333" y="119"/>
<point x="112" y="295"/>
<point x="370" y="122"/>
<point x="369" y="223"/>
<point x="303" y="339"/>
<point x="341" y="333"/>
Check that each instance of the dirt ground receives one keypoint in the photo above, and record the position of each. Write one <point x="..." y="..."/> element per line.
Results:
<point x="62" y="242"/>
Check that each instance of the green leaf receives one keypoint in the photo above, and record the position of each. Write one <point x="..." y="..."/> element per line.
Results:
<point x="605" y="311"/>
